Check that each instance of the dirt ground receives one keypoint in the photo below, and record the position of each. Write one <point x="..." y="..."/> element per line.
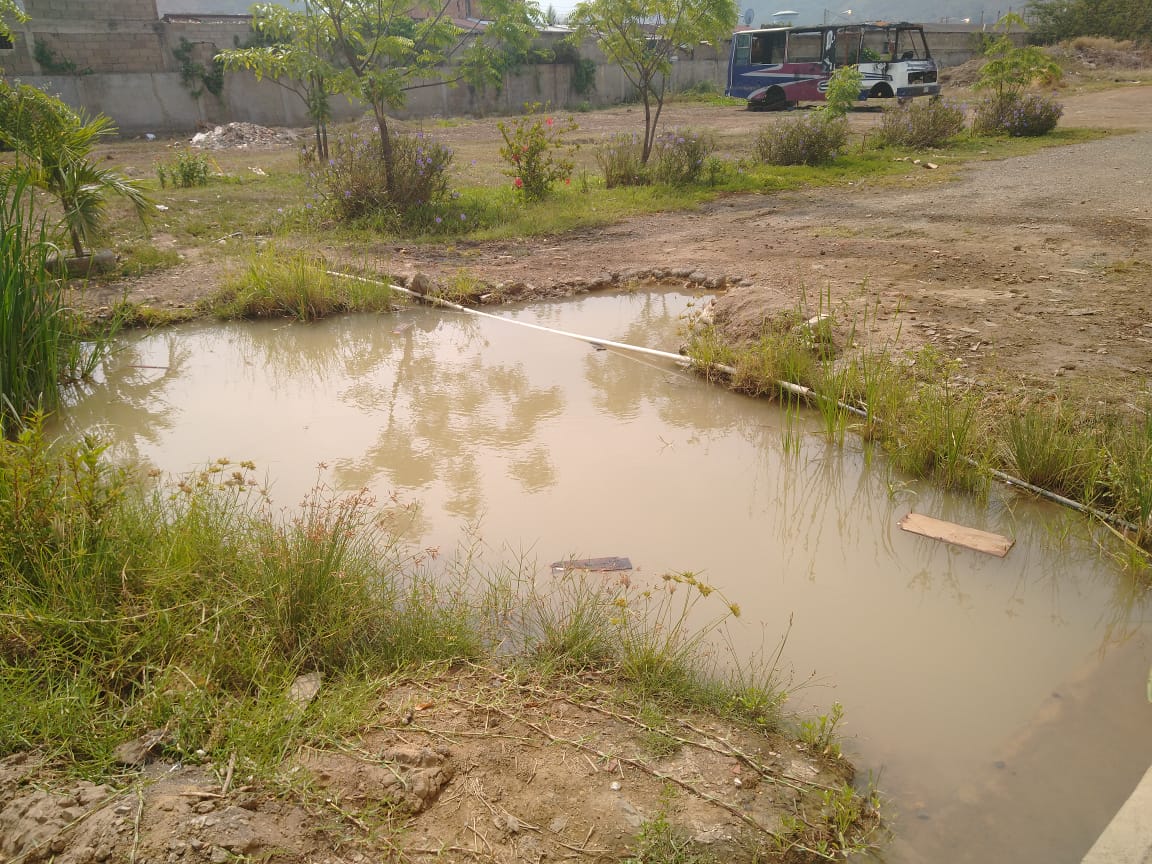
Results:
<point x="1027" y="270"/>
<point x="464" y="765"/>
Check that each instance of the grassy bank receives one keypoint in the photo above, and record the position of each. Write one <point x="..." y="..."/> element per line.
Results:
<point x="934" y="424"/>
<point x="187" y="609"/>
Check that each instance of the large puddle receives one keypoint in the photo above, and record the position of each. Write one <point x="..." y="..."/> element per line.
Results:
<point x="999" y="703"/>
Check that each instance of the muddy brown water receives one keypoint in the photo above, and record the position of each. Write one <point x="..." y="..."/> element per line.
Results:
<point x="998" y="704"/>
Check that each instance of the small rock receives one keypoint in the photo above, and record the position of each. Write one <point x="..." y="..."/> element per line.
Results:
<point x="697" y="277"/>
<point x="195" y="843"/>
<point x="558" y="824"/>
<point x="304" y="689"/>
<point x="420" y="284"/>
<point x="614" y="786"/>
<point x="139" y="751"/>
<point x="205" y="807"/>
<point x="219" y="855"/>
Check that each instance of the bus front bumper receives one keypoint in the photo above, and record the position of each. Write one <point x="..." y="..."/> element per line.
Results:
<point x="918" y="90"/>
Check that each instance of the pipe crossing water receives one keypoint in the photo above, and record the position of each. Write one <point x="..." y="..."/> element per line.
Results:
<point x="787" y="386"/>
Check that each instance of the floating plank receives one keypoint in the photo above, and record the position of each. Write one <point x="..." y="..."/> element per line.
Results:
<point x="597" y="565"/>
<point x="949" y="532"/>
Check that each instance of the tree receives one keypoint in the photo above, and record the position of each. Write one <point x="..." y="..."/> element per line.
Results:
<point x="1011" y="70"/>
<point x="295" y="50"/>
<point x="10" y="13"/>
<point x="1118" y="19"/>
<point x="54" y="144"/>
<point x="389" y="47"/>
<point x="643" y="36"/>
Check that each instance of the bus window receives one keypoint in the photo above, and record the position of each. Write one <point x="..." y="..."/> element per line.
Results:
<point x="768" y="48"/>
<point x="847" y="47"/>
<point x="807" y="47"/>
<point x="910" y="45"/>
<point x="743" y="48"/>
<point x="876" y="47"/>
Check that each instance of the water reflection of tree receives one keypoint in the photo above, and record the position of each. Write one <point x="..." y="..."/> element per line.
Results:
<point x="442" y="406"/>
<point x="126" y="402"/>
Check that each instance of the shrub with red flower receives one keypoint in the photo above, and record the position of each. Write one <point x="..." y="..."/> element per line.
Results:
<point x="535" y="151"/>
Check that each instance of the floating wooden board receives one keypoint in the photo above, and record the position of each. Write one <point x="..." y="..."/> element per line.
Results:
<point x="949" y="532"/>
<point x="598" y="565"/>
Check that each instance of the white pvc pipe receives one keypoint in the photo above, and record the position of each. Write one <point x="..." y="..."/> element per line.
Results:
<point x="787" y="386"/>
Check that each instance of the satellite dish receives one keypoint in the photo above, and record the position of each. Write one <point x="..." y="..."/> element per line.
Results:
<point x="749" y="14"/>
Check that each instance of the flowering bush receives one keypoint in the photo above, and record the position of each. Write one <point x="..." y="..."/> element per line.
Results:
<point x="815" y="139"/>
<point x="621" y="159"/>
<point x="921" y="123"/>
<point x="678" y="158"/>
<point x="353" y="182"/>
<point x="1016" y="114"/>
<point x="535" y="152"/>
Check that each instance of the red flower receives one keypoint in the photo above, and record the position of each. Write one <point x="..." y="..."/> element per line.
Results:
<point x="567" y="181"/>
<point x="518" y="183"/>
<point x="549" y="121"/>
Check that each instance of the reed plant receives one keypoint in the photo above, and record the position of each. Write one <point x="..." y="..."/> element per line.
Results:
<point x="1047" y="446"/>
<point x="43" y="346"/>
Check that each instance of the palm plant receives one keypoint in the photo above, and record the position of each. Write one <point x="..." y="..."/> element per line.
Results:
<point x="54" y="144"/>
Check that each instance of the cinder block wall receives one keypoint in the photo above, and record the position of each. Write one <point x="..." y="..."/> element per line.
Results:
<point x="96" y="36"/>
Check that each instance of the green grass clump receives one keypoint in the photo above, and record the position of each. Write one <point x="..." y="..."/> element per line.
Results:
<point x="191" y="607"/>
<point x="277" y="283"/>
<point x="138" y="259"/>
<point x="185" y="170"/>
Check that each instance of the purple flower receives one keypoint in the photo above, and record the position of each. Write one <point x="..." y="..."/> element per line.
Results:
<point x="438" y="220"/>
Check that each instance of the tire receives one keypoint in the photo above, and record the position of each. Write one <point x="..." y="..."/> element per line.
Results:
<point x="881" y="91"/>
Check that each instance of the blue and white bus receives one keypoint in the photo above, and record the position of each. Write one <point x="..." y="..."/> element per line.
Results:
<point x="777" y="67"/>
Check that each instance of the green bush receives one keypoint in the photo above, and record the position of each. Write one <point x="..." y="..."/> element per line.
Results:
<point x="186" y="170"/>
<point x="621" y="159"/>
<point x="921" y="123"/>
<point x="679" y="158"/>
<point x="843" y="91"/>
<point x="807" y="140"/>
<point x="535" y="152"/>
<point x="1016" y="114"/>
<point x="354" y="183"/>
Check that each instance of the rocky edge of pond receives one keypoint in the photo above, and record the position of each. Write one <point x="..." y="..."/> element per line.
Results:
<point x="469" y="764"/>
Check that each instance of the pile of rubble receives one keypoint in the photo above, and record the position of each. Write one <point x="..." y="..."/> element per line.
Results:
<point x="238" y="136"/>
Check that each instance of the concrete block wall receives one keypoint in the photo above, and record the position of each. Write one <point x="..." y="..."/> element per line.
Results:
<point x="155" y="100"/>
<point x="100" y="36"/>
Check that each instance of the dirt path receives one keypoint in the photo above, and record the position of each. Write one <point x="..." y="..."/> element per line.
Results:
<point x="1031" y="268"/>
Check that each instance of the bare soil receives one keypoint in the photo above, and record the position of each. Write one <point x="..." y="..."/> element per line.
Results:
<point x="464" y="765"/>
<point x="1026" y="270"/>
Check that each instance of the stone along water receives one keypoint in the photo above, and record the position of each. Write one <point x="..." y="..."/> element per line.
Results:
<point x="998" y="703"/>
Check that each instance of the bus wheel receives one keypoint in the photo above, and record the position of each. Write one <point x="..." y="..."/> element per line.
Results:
<point x="881" y="91"/>
<point x="775" y="100"/>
